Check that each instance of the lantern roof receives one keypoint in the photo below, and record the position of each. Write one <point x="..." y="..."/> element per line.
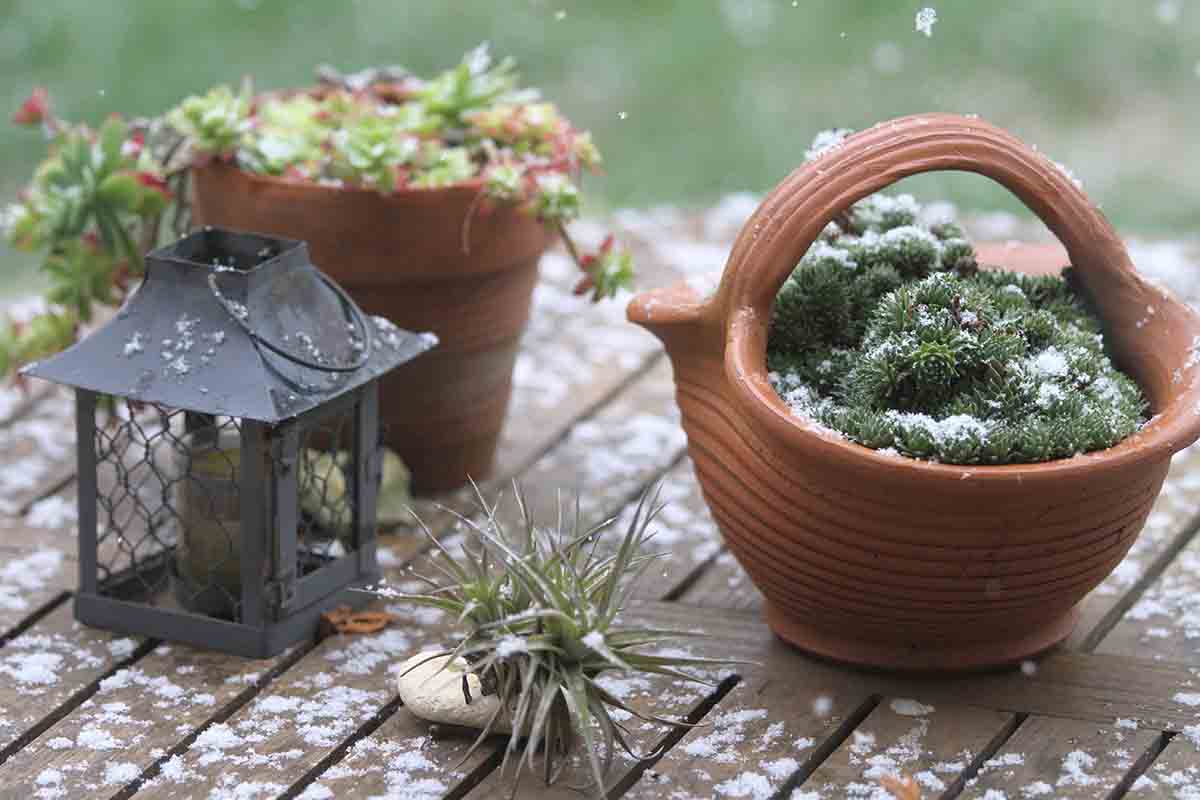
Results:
<point x="235" y="324"/>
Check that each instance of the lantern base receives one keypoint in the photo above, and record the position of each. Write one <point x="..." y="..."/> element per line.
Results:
<point x="162" y="620"/>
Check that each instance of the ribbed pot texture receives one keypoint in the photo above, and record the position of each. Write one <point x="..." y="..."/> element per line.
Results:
<point x="892" y="562"/>
<point x="402" y="256"/>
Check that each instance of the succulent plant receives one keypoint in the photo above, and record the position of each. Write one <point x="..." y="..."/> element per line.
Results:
<point x="541" y="608"/>
<point x="387" y="130"/>
<point x="96" y="204"/>
<point x="889" y="332"/>
<point x="91" y="207"/>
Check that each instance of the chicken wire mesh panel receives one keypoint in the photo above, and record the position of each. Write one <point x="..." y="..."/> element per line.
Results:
<point x="168" y="508"/>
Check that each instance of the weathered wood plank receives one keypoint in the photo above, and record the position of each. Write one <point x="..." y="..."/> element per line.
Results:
<point x="1175" y="773"/>
<point x="1061" y="758"/>
<point x="1170" y="525"/>
<point x="405" y="754"/>
<point x="120" y="732"/>
<point x="33" y="572"/>
<point x="684" y="532"/>
<point x="37" y="456"/>
<point x="724" y="585"/>
<point x="1164" y="623"/>
<point x="18" y="401"/>
<point x="1098" y="688"/>
<point x="46" y="666"/>
<point x="761" y="734"/>
<point x="612" y="454"/>
<point x="575" y="356"/>
<point x="905" y="737"/>
<point x="1081" y="693"/>
<point x="211" y="686"/>
<point x="282" y="733"/>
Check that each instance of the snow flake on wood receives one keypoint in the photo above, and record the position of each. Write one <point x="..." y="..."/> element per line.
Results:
<point x="54" y="512"/>
<point x="34" y="449"/>
<point x="405" y="768"/>
<point x="23" y="576"/>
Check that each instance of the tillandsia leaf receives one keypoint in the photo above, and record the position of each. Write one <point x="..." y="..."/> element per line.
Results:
<point x="426" y="660"/>
<point x="609" y="699"/>
<point x="575" y="694"/>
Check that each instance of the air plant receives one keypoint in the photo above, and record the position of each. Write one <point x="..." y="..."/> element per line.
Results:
<point x="541" y="611"/>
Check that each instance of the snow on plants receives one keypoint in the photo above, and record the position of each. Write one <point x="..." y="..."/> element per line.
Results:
<point x="888" y="333"/>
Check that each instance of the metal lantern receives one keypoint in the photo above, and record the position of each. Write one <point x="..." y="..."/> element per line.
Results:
<point x="229" y="446"/>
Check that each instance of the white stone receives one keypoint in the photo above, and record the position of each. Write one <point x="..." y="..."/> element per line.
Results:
<point x="433" y="691"/>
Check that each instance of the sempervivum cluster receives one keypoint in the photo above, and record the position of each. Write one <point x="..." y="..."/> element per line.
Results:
<point x="386" y="129"/>
<point x="889" y="333"/>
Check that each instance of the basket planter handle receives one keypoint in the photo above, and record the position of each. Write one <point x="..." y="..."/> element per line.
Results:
<point x="791" y="218"/>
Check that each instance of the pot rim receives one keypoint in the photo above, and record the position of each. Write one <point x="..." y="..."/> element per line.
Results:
<point x="1162" y="436"/>
<point x="471" y="186"/>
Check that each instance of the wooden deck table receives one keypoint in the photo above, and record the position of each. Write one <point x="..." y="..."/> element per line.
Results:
<point x="84" y="713"/>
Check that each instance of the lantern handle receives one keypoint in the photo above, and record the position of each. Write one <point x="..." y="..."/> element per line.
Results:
<point x="355" y="313"/>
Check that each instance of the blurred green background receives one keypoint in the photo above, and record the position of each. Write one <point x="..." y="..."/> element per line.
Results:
<point x="687" y="99"/>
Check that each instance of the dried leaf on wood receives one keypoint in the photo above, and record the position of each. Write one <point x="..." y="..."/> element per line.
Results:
<point x="344" y="619"/>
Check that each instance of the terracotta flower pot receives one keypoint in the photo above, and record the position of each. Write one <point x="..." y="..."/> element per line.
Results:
<point x="898" y="563"/>
<point x="401" y="256"/>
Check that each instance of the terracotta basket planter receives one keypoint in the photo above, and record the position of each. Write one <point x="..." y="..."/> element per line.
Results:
<point x="898" y="563"/>
<point x="401" y="256"/>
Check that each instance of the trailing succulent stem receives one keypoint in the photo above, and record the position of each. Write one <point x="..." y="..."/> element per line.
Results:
<point x="890" y="333"/>
<point x="541" y="611"/>
<point x="93" y="208"/>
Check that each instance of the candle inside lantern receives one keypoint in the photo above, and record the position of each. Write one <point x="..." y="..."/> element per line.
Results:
<point x="208" y="556"/>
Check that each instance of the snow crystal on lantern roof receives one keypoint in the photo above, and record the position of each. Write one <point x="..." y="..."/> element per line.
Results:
<point x="276" y="339"/>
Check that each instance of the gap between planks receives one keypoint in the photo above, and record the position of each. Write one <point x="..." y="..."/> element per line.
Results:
<point x="82" y="695"/>
<point x="225" y="712"/>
